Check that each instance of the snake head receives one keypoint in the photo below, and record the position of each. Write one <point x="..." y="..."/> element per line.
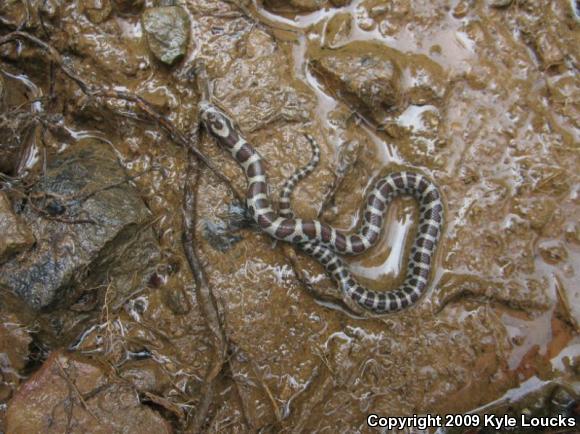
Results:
<point x="216" y="121"/>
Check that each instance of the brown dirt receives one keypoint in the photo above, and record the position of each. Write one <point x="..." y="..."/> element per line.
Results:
<point x="486" y="103"/>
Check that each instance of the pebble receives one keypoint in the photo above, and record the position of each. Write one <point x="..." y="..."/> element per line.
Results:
<point x="167" y="32"/>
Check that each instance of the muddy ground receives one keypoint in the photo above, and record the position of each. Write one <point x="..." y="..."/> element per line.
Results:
<point x="117" y="318"/>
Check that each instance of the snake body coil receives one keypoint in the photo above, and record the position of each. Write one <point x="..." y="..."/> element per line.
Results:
<point x="322" y="241"/>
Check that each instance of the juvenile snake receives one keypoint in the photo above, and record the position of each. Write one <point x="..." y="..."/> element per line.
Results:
<point x="322" y="241"/>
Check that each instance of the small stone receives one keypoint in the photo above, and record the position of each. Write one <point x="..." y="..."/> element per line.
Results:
<point x="365" y="75"/>
<point x="167" y="31"/>
<point x="96" y="11"/>
<point x="15" y="235"/>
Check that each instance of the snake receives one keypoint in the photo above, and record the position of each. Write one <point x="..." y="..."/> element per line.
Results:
<point x="322" y="241"/>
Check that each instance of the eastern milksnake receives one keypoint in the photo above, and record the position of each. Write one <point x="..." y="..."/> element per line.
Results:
<point x="322" y="241"/>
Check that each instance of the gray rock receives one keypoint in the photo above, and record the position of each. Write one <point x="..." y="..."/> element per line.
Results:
<point x="80" y="213"/>
<point x="167" y="31"/>
<point x="378" y="80"/>
<point x="15" y="236"/>
<point x="367" y="79"/>
<point x="127" y="268"/>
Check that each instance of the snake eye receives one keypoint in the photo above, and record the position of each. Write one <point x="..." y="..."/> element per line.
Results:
<point x="217" y="124"/>
<point x="214" y="121"/>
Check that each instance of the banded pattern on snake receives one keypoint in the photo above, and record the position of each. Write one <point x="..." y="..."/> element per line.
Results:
<point x="322" y="241"/>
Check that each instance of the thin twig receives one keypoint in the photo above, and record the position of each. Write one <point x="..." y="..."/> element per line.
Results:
<point x="73" y="386"/>
<point x="93" y="91"/>
<point x="205" y="298"/>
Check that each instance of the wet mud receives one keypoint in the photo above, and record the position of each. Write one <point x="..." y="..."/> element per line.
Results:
<point x="183" y="316"/>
